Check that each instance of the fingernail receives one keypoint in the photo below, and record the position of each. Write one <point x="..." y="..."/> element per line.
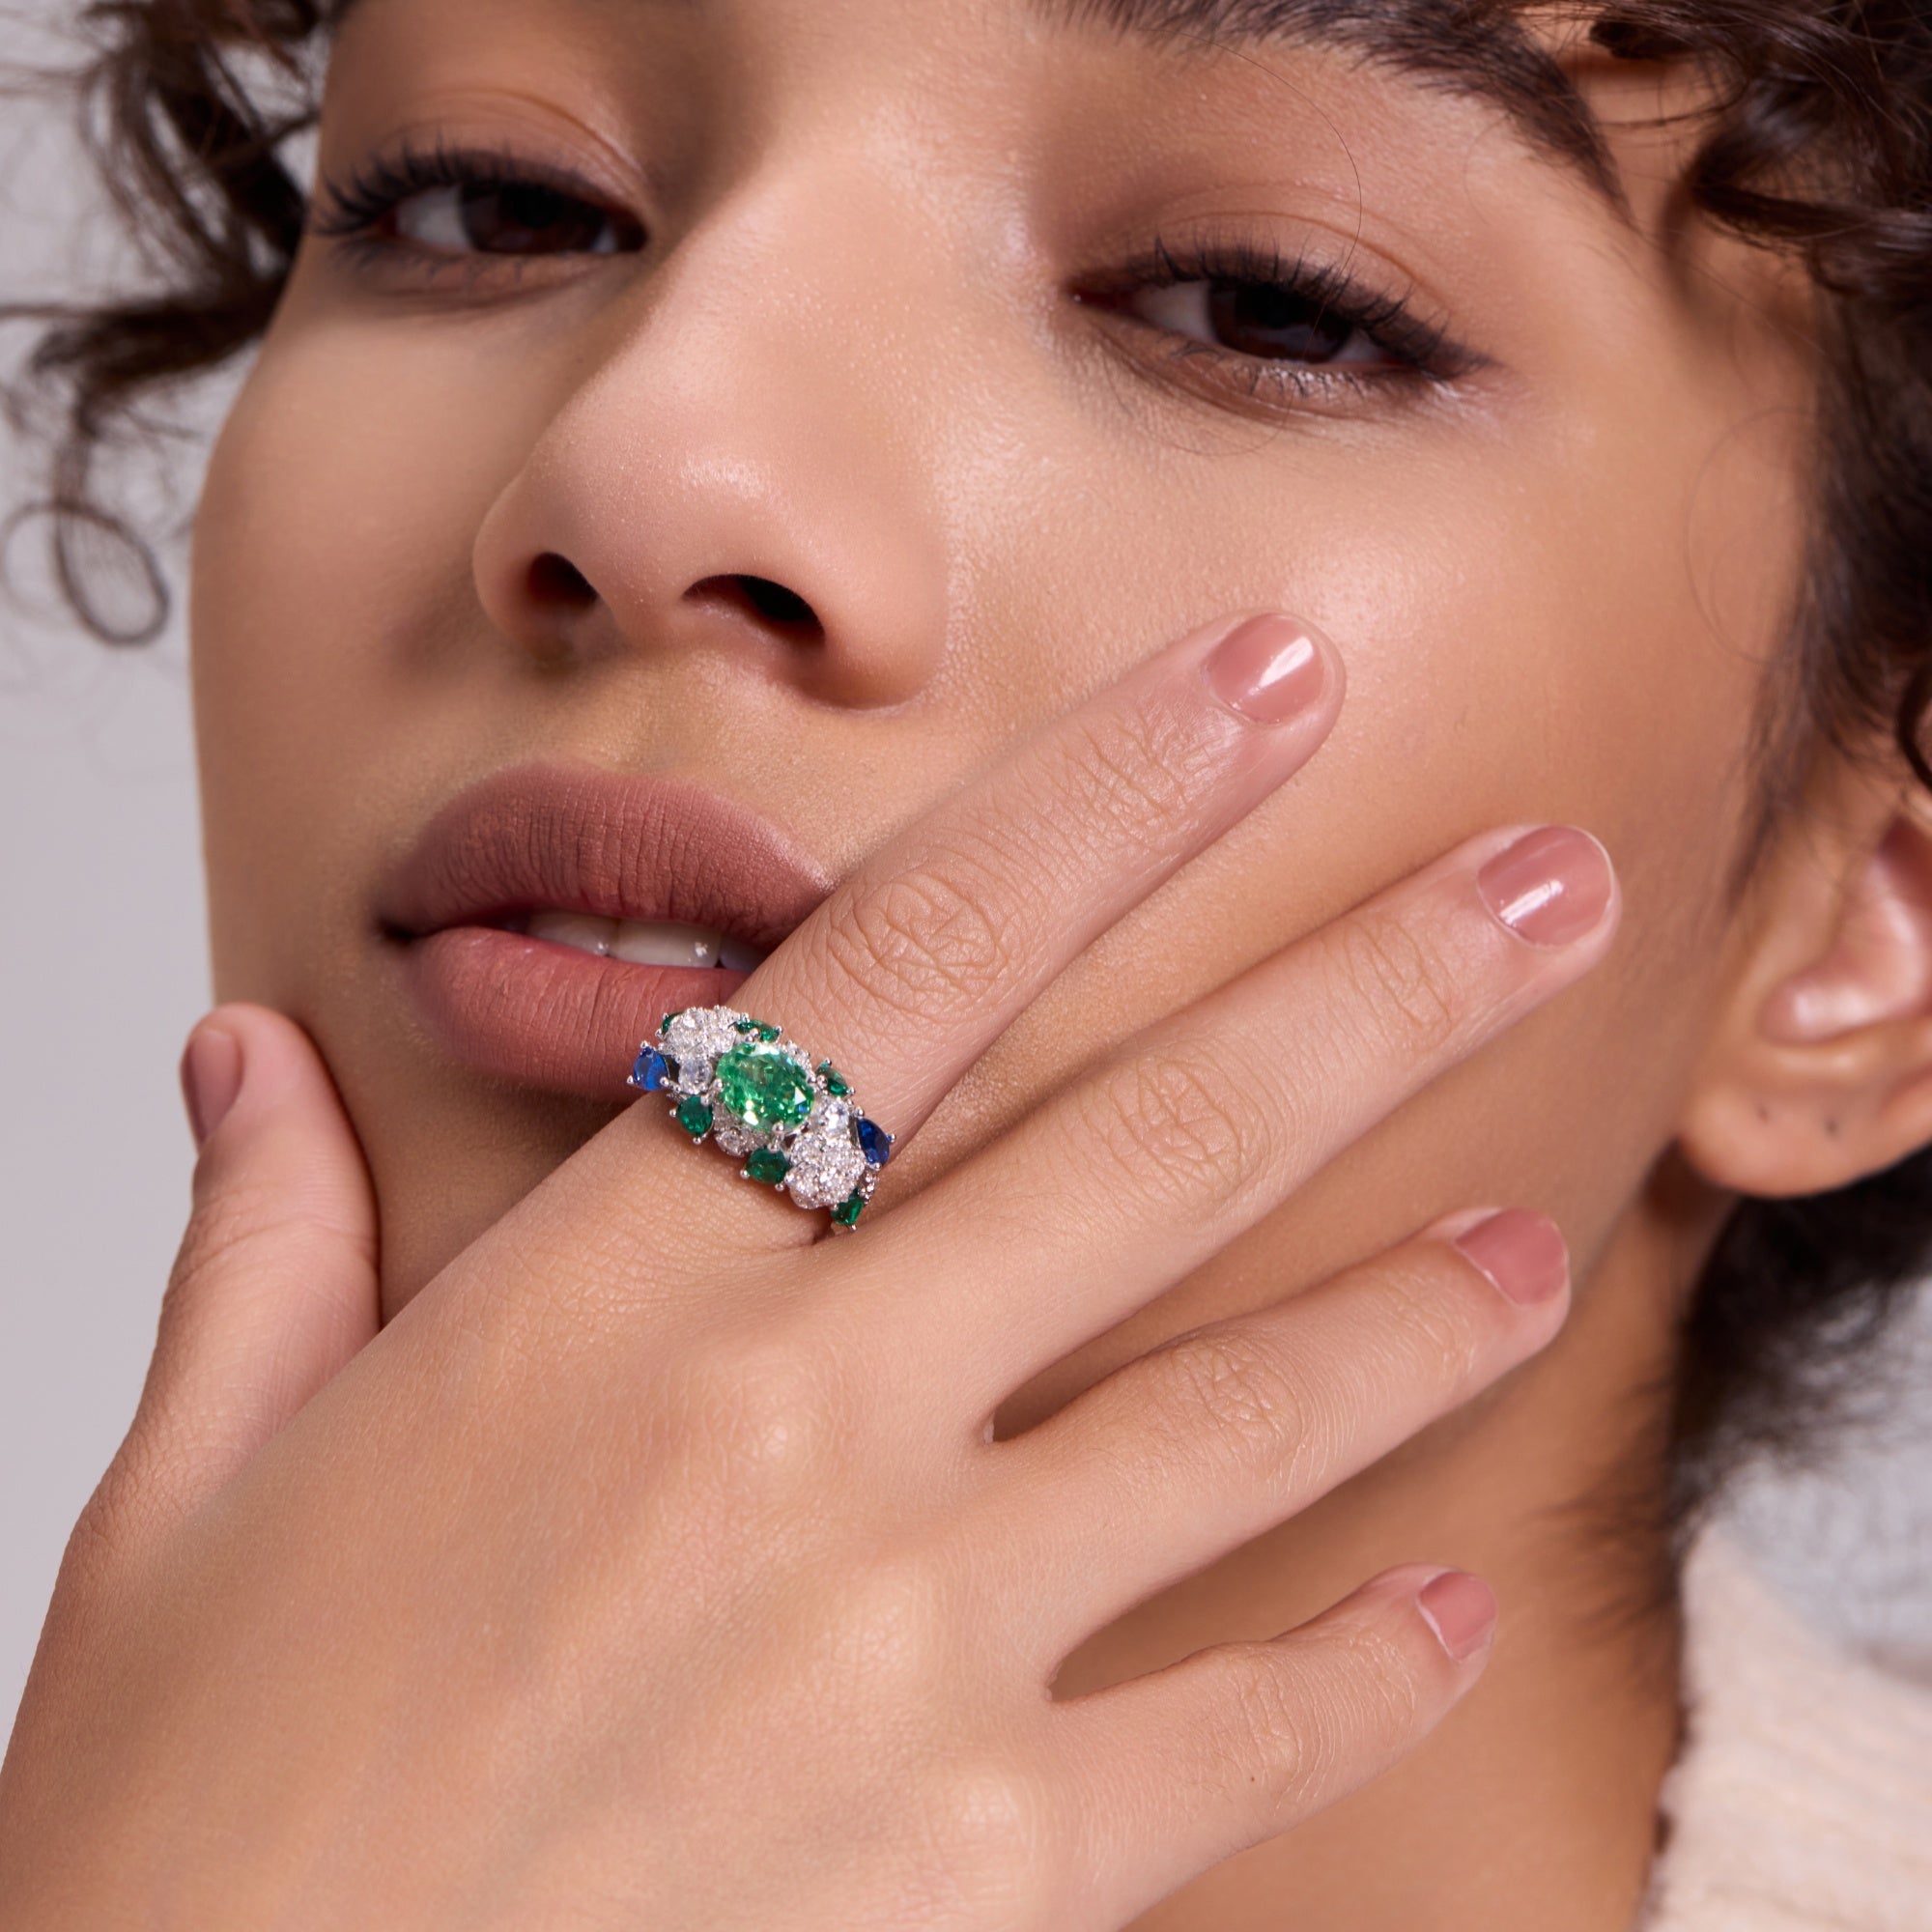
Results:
<point x="1269" y="669"/>
<point x="1460" y="1609"/>
<point x="1523" y="1255"/>
<point x="210" y="1078"/>
<point x="1552" y="887"/>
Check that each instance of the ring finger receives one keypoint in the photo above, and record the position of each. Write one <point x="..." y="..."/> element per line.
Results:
<point x="938" y="942"/>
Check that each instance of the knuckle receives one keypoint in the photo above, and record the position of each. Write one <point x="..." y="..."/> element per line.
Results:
<point x="762" y="1415"/>
<point x="1178" y="1128"/>
<point x="1409" y="988"/>
<point x="989" y="1848"/>
<point x="1379" y="1685"/>
<point x="1309" y="1726"/>
<point x="1248" y="1399"/>
<point x="1281" y="1741"/>
<point x="894" y="1633"/>
<point x="248" y="1224"/>
<point x="225" y="1224"/>
<point x="108" y="1526"/>
<point x="927" y="942"/>
<point x="1434" y="1324"/>
<point x="123" y="1525"/>
<point x="1132" y="776"/>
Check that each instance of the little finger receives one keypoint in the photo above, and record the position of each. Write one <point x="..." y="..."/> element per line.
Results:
<point x="1238" y="1744"/>
<point x="1214" y="1437"/>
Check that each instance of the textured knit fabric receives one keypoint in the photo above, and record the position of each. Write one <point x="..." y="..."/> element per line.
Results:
<point x="1804" y="1796"/>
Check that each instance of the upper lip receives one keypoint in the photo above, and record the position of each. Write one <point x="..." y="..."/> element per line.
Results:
<point x="573" y="839"/>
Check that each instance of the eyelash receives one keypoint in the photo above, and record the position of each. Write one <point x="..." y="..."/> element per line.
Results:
<point x="356" y="206"/>
<point x="359" y="203"/>
<point x="1421" y="346"/>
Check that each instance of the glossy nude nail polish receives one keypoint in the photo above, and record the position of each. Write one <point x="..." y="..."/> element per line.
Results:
<point x="1552" y="887"/>
<point x="1269" y="669"/>
<point x="1460" y="1609"/>
<point x="1522" y="1255"/>
<point x="210" y="1078"/>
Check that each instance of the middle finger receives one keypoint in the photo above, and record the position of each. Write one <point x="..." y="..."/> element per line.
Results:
<point x="1150" y="1162"/>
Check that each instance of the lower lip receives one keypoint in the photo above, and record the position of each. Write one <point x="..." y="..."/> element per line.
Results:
<point x="544" y="1016"/>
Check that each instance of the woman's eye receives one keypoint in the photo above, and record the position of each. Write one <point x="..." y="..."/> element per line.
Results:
<point x="510" y="218"/>
<point x="1265" y="320"/>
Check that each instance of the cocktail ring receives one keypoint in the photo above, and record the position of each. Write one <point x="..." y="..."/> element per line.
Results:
<point x="794" y="1123"/>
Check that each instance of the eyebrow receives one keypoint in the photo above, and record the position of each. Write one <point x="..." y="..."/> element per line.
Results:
<point x="1472" y="48"/>
<point x="1465" y="47"/>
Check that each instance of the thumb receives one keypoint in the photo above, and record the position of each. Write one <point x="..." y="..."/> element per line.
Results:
<point x="275" y="1287"/>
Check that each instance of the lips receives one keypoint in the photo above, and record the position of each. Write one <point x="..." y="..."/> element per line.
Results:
<point x="537" y="841"/>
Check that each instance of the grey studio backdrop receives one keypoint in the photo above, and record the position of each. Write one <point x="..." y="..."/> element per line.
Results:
<point x="104" y="969"/>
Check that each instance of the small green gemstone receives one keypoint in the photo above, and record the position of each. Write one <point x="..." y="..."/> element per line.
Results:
<point x="695" y="1118"/>
<point x="763" y="1086"/>
<point x="767" y="1164"/>
<point x="769" y="1032"/>
<point x="835" y="1084"/>
<point x="667" y="1019"/>
<point x="745" y="1027"/>
<point x="848" y="1211"/>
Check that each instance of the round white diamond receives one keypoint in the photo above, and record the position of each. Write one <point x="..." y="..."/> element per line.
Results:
<point x="826" y="1167"/>
<point x="733" y="1137"/>
<point x="695" y="1038"/>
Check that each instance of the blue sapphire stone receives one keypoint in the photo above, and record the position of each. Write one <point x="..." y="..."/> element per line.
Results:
<point x="874" y="1143"/>
<point x="652" y="1071"/>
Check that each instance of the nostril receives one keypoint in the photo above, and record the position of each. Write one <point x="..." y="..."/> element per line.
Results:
<point x="556" y="583"/>
<point x="773" y="603"/>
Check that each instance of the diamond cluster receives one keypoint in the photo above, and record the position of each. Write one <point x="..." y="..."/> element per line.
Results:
<point x="793" y="1124"/>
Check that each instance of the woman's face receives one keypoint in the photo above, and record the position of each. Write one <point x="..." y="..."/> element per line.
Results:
<point x="1011" y="343"/>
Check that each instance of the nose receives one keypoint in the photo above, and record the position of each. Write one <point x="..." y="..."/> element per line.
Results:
<point x="725" y="471"/>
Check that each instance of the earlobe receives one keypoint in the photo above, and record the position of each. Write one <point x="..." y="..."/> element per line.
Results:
<point x="1825" y="1074"/>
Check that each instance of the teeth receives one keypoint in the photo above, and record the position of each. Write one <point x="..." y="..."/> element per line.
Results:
<point x="652" y="943"/>
<point x="643" y="942"/>
<point x="574" y="930"/>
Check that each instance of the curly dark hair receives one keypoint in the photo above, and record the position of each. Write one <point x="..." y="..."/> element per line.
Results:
<point x="1816" y="144"/>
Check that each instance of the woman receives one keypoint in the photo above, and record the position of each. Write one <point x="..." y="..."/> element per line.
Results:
<point x="859" y="520"/>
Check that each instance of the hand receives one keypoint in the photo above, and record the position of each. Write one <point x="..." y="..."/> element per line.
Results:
<point x="656" y="1567"/>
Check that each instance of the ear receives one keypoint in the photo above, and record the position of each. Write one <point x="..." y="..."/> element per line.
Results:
<point x="1823" y="1073"/>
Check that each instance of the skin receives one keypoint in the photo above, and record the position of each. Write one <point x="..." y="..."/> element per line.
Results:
<point x="1554" y="583"/>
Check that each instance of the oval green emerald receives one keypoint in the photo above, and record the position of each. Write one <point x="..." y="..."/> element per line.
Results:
<point x="764" y="1085"/>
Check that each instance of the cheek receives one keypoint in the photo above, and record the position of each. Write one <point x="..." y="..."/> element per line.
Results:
<point x="1572" y="630"/>
<point x="345" y="683"/>
<point x="1528" y="624"/>
<point x="331" y="603"/>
